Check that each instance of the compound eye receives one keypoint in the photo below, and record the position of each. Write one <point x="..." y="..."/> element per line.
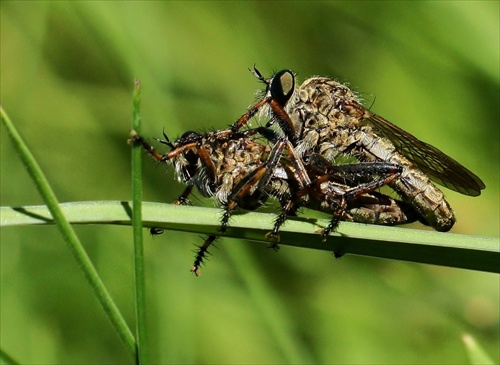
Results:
<point x="189" y="135"/>
<point x="282" y="86"/>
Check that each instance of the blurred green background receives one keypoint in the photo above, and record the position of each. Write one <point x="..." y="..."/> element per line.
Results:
<point x="67" y="74"/>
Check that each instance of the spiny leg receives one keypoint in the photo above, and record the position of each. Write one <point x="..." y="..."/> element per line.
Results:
<point x="254" y="184"/>
<point x="337" y="216"/>
<point x="183" y="199"/>
<point x="339" y="195"/>
<point x="201" y="254"/>
<point x="274" y="235"/>
<point x="279" y="89"/>
<point x="381" y="209"/>
<point x="259" y="176"/>
<point x="302" y="179"/>
<point x="242" y="191"/>
<point x="137" y="139"/>
<point x="250" y="113"/>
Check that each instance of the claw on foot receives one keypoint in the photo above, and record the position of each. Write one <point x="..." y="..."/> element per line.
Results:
<point x="134" y="137"/>
<point x="271" y="236"/>
<point x="196" y="270"/>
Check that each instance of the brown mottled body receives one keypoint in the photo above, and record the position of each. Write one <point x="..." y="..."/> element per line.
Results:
<point x="237" y="170"/>
<point x="320" y="121"/>
<point x="331" y="122"/>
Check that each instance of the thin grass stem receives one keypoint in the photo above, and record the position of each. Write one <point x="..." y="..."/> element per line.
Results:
<point x="70" y="236"/>
<point x="140" y="300"/>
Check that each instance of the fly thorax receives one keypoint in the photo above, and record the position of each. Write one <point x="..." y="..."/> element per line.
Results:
<point x="324" y="92"/>
<point x="243" y="157"/>
<point x="228" y="164"/>
<point x="307" y="143"/>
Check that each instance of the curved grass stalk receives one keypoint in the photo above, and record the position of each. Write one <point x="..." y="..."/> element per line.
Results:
<point x="429" y="247"/>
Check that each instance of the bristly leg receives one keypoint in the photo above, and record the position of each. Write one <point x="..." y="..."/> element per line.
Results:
<point x="337" y="216"/>
<point x="201" y="254"/>
<point x="279" y="89"/>
<point x="274" y="234"/>
<point x="183" y="199"/>
<point x="155" y="231"/>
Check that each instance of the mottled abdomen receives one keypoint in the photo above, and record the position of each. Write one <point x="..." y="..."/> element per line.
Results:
<point x="414" y="187"/>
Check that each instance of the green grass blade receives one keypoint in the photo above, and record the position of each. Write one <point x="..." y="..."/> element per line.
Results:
<point x="140" y="304"/>
<point x="477" y="355"/>
<point x="445" y="249"/>
<point x="278" y="319"/>
<point x="70" y="236"/>
<point x="7" y="359"/>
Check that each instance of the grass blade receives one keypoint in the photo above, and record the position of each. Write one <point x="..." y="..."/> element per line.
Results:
<point x="476" y="354"/>
<point x="140" y="301"/>
<point x="445" y="249"/>
<point x="7" y="359"/>
<point x="70" y="236"/>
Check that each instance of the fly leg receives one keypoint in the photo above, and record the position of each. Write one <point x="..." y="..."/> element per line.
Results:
<point x="381" y="209"/>
<point x="373" y="208"/>
<point x="249" y="192"/>
<point x="183" y="199"/>
<point x="290" y="206"/>
<point x="252" y="187"/>
<point x="201" y="254"/>
<point x="190" y="144"/>
<point x="340" y="185"/>
<point x="300" y="176"/>
<point x="136" y="139"/>
<point x="339" y="196"/>
<point x="189" y="147"/>
<point x="279" y="89"/>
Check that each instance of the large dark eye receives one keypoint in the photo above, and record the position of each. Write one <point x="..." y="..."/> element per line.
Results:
<point x="282" y="86"/>
<point x="189" y="135"/>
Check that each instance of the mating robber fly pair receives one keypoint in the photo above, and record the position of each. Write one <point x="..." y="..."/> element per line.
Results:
<point x="294" y="159"/>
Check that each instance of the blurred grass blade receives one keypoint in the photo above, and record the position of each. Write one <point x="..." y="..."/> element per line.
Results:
<point x="429" y="247"/>
<point x="475" y="353"/>
<point x="278" y="318"/>
<point x="140" y="304"/>
<point x="70" y="236"/>
<point x="7" y="359"/>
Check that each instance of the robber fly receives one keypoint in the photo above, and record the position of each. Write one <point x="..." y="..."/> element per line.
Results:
<point x="323" y="117"/>
<point x="237" y="169"/>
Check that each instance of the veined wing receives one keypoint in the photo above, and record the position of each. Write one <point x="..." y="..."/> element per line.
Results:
<point x="438" y="166"/>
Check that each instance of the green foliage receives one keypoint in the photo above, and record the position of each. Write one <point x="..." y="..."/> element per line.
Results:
<point x="67" y="74"/>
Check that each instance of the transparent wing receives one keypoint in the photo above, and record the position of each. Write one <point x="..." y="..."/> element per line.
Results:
<point x="434" y="163"/>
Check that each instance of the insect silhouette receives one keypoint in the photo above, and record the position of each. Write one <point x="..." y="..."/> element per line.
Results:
<point x="324" y="117"/>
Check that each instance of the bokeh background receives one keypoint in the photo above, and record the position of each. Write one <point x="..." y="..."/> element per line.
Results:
<point x="67" y="74"/>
